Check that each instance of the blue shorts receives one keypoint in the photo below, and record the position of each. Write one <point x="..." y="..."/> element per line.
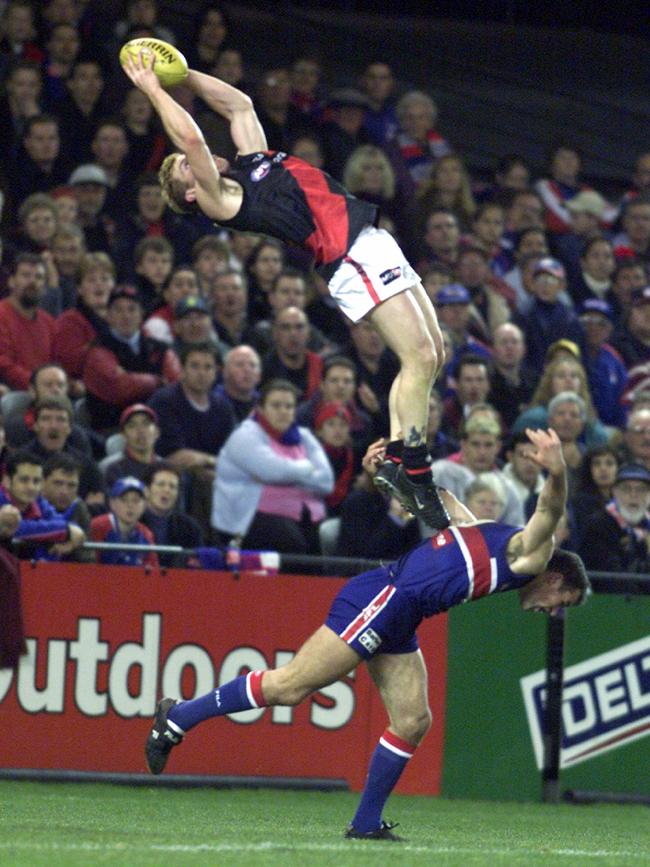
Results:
<point x="372" y="615"/>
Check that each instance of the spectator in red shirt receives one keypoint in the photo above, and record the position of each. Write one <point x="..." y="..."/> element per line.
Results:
<point x="77" y="328"/>
<point x="125" y="366"/>
<point x="26" y="332"/>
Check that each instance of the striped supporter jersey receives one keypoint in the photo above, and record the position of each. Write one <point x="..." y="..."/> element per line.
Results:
<point x="291" y="200"/>
<point x="457" y="565"/>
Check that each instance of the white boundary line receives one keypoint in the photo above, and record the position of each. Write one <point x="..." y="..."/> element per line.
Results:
<point x="312" y="847"/>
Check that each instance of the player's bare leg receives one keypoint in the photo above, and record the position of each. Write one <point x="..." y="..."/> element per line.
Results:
<point x="402" y="682"/>
<point x="409" y="327"/>
<point x="323" y="659"/>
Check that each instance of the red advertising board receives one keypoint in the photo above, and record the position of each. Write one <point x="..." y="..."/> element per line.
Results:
<point x="106" y="642"/>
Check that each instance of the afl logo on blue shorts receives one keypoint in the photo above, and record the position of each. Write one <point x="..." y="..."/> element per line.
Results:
<point x="261" y="171"/>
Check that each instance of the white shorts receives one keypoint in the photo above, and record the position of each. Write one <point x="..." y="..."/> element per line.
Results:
<point x="373" y="270"/>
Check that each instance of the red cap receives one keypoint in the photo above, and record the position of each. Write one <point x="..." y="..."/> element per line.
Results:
<point x="135" y="408"/>
<point x="331" y="409"/>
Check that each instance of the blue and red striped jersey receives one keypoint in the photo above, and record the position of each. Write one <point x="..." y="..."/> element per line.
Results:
<point x="457" y="565"/>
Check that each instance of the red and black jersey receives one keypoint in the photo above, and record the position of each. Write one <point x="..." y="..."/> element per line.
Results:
<point x="291" y="200"/>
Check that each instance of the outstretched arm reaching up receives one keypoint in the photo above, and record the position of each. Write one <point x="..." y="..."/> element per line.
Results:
<point x="235" y="106"/>
<point x="530" y="550"/>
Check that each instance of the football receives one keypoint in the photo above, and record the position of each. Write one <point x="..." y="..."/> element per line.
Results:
<point x="170" y="65"/>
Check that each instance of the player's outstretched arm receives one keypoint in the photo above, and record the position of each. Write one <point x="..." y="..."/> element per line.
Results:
<point x="179" y="124"/>
<point x="245" y="129"/>
<point x="529" y="550"/>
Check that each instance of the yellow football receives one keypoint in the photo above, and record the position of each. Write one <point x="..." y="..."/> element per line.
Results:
<point x="170" y="65"/>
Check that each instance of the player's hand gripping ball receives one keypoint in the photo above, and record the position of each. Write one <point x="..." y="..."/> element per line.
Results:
<point x="170" y="65"/>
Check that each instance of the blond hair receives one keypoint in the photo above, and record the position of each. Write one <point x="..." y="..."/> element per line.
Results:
<point x="173" y="190"/>
<point x="99" y="261"/>
<point x="544" y="391"/>
<point x="353" y="171"/>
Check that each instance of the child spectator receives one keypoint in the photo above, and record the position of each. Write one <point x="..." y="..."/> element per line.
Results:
<point x="332" y="425"/>
<point x="122" y="524"/>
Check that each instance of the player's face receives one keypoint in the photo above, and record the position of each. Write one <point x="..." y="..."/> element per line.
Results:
<point x="95" y="288"/>
<point x="25" y="484"/>
<point x="162" y="493"/>
<point x="128" y="508"/>
<point x="60" y="488"/>
<point x="547" y="593"/>
<point x="279" y="408"/>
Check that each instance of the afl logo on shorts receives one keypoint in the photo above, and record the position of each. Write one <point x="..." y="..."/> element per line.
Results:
<point x="387" y="277"/>
<point x="261" y="171"/>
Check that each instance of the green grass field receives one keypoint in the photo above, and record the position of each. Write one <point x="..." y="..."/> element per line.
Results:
<point x="87" y="824"/>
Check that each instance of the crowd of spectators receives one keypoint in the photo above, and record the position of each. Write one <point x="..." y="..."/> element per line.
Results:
<point x="162" y="379"/>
